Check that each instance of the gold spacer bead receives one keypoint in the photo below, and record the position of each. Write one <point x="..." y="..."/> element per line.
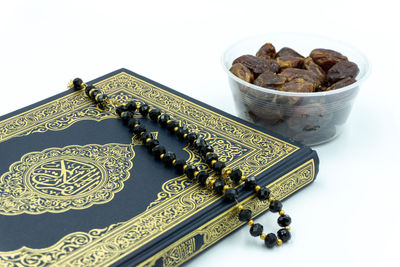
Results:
<point x="148" y="140"/>
<point x="158" y="117"/>
<point x="271" y="199"/>
<point x="173" y="162"/>
<point x="168" y="121"/>
<point x="138" y="106"/>
<point x="196" y="173"/>
<point x="240" y="207"/>
<point x="243" y="178"/>
<point x="281" y="212"/>
<point x="71" y="85"/>
<point x="287" y="227"/>
<point x="226" y="172"/>
<point x="83" y="85"/>
<point x="115" y="102"/>
<point x="185" y="135"/>
<point x="176" y="129"/>
<point x="257" y="188"/>
<point x="250" y="223"/>
<point x="150" y="109"/>
<point x="210" y="183"/>
<point x="279" y="242"/>
<point x="226" y="187"/>
<point x="208" y="153"/>
<point x="263" y="236"/>
<point x="162" y="156"/>
<point x="213" y="162"/>
<point x="184" y="167"/>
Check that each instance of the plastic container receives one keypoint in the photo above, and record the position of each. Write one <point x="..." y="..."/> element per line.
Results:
<point x="310" y="118"/>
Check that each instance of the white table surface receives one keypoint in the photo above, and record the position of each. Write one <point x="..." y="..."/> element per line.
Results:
<point x="349" y="216"/>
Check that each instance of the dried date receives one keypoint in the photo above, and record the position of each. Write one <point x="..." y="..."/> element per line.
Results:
<point x="289" y="62"/>
<point x="266" y="51"/>
<point x="293" y="73"/>
<point x="258" y="65"/>
<point x="308" y="118"/>
<point x="270" y="80"/>
<point x="342" y="70"/>
<point x="242" y="72"/>
<point x="286" y="51"/>
<point x="326" y="58"/>
<point x="298" y="85"/>
<point x="341" y="83"/>
<point x="311" y="66"/>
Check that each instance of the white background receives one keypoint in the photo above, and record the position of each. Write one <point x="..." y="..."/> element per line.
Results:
<point x="349" y="216"/>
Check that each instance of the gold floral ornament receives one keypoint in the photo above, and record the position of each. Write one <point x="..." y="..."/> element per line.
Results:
<point x="59" y="179"/>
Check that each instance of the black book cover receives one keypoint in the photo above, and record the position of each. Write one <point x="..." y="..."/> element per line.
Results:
<point x="77" y="189"/>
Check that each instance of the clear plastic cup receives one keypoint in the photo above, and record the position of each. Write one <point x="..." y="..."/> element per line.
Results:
<point x="310" y="118"/>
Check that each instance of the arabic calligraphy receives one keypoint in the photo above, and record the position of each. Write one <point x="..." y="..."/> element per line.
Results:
<point x="58" y="179"/>
<point x="65" y="177"/>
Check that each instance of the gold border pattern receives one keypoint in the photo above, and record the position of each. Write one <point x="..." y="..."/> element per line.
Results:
<point x="249" y="149"/>
<point x="185" y="248"/>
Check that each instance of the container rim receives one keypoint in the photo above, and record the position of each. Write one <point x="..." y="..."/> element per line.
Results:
<point x="366" y="67"/>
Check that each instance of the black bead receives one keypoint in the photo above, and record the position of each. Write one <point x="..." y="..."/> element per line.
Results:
<point x="263" y="193"/>
<point x="126" y="116"/>
<point x="154" y="113"/>
<point x="199" y="143"/>
<point x="101" y="98"/>
<point x="230" y="195"/>
<point x="191" y="137"/>
<point x="163" y="119"/>
<point x="181" y="132"/>
<point x="270" y="240"/>
<point x="284" y="220"/>
<point x="202" y="177"/>
<point x="218" y="166"/>
<point x="145" y="136"/>
<point x="210" y="157"/>
<point x="205" y="149"/>
<point x="94" y="93"/>
<point x="120" y="109"/>
<point x="168" y="158"/>
<point x="151" y="144"/>
<point x="179" y="163"/>
<point x="236" y="175"/>
<point x="158" y="150"/>
<point x="132" y="122"/>
<point x="77" y="82"/>
<point x="250" y="183"/>
<point x="256" y="229"/>
<point x="244" y="215"/>
<point x="219" y="186"/>
<point x="102" y="105"/>
<point x="139" y="129"/>
<point x="275" y="206"/>
<point x="190" y="170"/>
<point x="284" y="235"/>
<point x="131" y="106"/>
<point x="171" y="125"/>
<point x="88" y="88"/>
<point x="144" y="110"/>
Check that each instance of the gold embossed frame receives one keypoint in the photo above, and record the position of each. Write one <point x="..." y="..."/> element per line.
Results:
<point x="251" y="150"/>
<point x="58" y="179"/>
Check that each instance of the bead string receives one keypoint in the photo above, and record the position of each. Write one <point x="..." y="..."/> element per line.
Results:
<point x="221" y="185"/>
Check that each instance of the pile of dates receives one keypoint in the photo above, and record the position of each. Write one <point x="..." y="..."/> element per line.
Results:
<point x="311" y="120"/>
